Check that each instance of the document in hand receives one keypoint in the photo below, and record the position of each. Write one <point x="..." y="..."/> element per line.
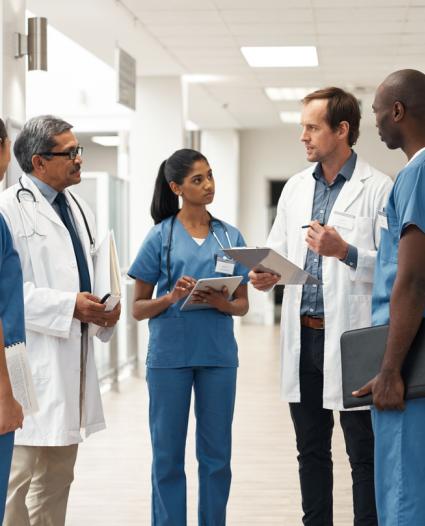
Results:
<point x="362" y="351"/>
<point x="107" y="275"/>
<point x="21" y="378"/>
<point x="268" y="260"/>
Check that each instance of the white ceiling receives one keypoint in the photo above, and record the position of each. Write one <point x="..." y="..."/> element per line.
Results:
<point x="359" y="42"/>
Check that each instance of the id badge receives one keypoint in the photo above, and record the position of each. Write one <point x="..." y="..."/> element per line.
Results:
<point x="225" y="266"/>
<point x="383" y="220"/>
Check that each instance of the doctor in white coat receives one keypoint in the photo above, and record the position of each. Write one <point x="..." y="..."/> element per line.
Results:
<point x="339" y="198"/>
<point x="53" y="234"/>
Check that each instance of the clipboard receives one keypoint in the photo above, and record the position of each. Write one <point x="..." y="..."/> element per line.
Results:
<point x="107" y="276"/>
<point x="268" y="260"/>
<point x="231" y="282"/>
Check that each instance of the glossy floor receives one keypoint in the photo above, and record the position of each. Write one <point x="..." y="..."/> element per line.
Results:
<point x="112" y="486"/>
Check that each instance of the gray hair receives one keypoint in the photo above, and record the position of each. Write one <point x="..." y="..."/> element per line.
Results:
<point x="37" y="136"/>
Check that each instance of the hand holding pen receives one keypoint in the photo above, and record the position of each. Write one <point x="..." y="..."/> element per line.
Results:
<point x="325" y="240"/>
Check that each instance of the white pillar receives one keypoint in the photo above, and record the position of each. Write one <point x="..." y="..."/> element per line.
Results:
<point x="221" y="147"/>
<point x="156" y="132"/>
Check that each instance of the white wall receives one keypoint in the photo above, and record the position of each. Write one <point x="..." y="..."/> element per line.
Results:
<point x="221" y="147"/>
<point x="267" y="154"/>
<point x="156" y="132"/>
<point x="12" y="71"/>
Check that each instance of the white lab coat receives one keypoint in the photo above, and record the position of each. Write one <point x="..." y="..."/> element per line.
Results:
<point x="51" y="284"/>
<point x="346" y="292"/>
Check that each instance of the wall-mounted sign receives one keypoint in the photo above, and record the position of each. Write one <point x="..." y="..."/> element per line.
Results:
<point x="125" y="66"/>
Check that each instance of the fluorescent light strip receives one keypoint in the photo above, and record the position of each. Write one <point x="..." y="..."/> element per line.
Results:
<point x="277" y="94"/>
<point x="290" y="117"/>
<point x="281" y="56"/>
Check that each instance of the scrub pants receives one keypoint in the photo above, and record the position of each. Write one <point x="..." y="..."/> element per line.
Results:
<point x="169" y="404"/>
<point x="400" y="464"/>
<point x="6" y="451"/>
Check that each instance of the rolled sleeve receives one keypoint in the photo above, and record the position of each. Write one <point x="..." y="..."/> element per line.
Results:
<point x="352" y="257"/>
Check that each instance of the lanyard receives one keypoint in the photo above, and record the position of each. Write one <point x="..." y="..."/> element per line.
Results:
<point x="170" y="238"/>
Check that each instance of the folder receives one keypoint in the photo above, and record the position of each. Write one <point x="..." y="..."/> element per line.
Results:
<point x="362" y="351"/>
<point x="231" y="282"/>
<point x="268" y="260"/>
<point x="107" y="275"/>
<point x="20" y="377"/>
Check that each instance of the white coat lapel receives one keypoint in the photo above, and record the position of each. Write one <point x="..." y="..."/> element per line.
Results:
<point x="352" y="188"/>
<point x="43" y="206"/>
<point x="81" y="230"/>
<point x="305" y="208"/>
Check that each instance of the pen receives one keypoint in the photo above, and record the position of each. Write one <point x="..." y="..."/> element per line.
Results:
<point x="308" y="226"/>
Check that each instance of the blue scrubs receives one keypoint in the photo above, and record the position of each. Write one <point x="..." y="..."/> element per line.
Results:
<point x="195" y="349"/>
<point x="399" y="435"/>
<point x="12" y="317"/>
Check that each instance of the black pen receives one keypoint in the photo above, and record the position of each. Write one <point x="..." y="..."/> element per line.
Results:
<point x="308" y="226"/>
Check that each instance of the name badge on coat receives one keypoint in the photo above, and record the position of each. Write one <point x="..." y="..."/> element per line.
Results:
<point x="343" y="220"/>
<point x="225" y="266"/>
<point x="383" y="220"/>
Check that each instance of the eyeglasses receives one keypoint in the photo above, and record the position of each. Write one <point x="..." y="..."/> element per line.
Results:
<point x="72" y="154"/>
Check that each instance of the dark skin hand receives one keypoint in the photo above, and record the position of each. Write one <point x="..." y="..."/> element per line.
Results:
<point x="406" y="312"/>
<point x="144" y="307"/>
<point x="218" y="299"/>
<point x="88" y="309"/>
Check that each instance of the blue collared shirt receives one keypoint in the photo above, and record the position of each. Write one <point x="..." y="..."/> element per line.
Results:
<point x="324" y="199"/>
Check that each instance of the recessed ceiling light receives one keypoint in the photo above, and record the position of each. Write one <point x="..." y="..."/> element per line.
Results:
<point x="290" y="117"/>
<point x="281" y="56"/>
<point x="203" y="79"/>
<point x="277" y="94"/>
<point x="106" y="140"/>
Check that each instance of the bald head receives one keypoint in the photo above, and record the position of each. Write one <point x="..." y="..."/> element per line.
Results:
<point x="408" y="87"/>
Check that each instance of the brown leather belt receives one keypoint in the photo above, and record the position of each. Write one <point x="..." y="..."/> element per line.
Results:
<point x="313" y="323"/>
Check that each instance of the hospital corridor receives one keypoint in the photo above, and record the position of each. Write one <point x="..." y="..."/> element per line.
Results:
<point x="112" y="483"/>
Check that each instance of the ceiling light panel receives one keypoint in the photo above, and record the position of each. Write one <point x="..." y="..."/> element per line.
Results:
<point x="290" y="117"/>
<point x="280" y="56"/>
<point x="278" y="94"/>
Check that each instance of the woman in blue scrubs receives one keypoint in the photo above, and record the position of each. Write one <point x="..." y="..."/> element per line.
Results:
<point x="12" y="330"/>
<point x="188" y="349"/>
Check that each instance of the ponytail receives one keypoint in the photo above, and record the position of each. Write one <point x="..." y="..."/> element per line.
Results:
<point x="165" y="203"/>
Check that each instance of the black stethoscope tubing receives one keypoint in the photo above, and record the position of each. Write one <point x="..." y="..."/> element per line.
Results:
<point x="170" y="237"/>
<point x="83" y="215"/>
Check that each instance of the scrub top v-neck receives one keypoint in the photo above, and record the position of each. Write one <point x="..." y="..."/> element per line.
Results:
<point x="187" y="338"/>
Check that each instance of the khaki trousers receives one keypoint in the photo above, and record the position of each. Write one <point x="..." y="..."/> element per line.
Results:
<point x="39" y="485"/>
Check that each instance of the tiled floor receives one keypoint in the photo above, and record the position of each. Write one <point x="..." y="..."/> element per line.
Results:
<point x="112" y="486"/>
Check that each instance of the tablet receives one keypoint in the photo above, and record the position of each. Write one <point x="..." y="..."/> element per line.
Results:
<point x="231" y="282"/>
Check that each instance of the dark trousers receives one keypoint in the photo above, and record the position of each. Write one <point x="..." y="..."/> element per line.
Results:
<point x="313" y="429"/>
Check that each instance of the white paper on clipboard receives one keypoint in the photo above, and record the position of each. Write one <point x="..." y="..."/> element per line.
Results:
<point x="231" y="282"/>
<point x="268" y="260"/>
<point x="107" y="275"/>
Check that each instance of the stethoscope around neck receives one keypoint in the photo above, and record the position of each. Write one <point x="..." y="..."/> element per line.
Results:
<point x="211" y="229"/>
<point x="28" y="191"/>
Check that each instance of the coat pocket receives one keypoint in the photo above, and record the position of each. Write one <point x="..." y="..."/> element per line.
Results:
<point x="360" y="311"/>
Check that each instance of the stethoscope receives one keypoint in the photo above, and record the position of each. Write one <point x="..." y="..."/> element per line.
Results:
<point x="34" y="232"/>
<point x="211" y="229"/>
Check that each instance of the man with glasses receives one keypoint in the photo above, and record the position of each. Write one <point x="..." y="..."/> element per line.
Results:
<point x="53" y="231"/>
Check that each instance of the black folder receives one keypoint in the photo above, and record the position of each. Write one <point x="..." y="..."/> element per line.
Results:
<point x="362" y="351"/>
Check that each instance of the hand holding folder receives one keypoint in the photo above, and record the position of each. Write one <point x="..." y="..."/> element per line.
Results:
<point x="107" y="275"/>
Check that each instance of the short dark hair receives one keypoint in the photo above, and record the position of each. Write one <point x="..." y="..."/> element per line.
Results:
<point x="342" y="106"/>
<point x="37" y="135"/>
